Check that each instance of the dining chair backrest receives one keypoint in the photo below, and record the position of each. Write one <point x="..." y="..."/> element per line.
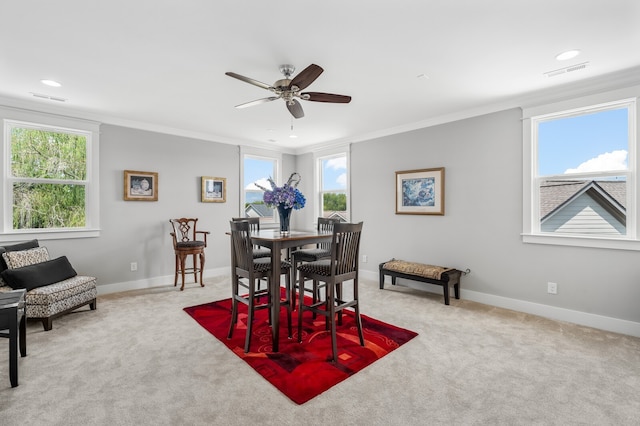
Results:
<point x="345" y="248"/>
<point x="242" y="247"/>
<point x="254" y="222"/>
<point x="184" y="229"/>
<point x="325" y="225"/>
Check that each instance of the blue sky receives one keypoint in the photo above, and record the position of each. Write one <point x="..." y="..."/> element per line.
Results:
<point x="256" y="170"/>
<point x="334" y="175"/>
<point x="586" y="143"/>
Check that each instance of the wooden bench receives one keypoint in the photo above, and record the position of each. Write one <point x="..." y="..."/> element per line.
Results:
<point x="431" y="274"/>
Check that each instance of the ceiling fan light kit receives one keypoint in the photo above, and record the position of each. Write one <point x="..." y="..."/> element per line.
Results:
<point x="289" y="89"/>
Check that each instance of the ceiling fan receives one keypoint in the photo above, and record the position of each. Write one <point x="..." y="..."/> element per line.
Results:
<point x="289" y="89"/>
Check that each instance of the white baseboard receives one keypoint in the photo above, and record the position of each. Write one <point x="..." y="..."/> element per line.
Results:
<point x="561" y="314"/>
<point x="148" y="283"/>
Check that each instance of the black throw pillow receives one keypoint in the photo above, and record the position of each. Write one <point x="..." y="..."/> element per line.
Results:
<point x="16" y="247"/>
<point x="39" y="274"/>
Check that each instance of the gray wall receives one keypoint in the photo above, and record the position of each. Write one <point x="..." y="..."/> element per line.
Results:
<point x="481" y="227"/>
<point x="480" y="230"/>
<point x="138" y="231"/>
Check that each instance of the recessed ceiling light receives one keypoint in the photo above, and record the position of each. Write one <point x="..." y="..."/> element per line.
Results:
<point x="423" y="77"/>
<point x="569" y="54"/>
<point x="51" y="83"/>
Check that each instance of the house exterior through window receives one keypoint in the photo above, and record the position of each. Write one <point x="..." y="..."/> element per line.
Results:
<point x="580" y="174"/>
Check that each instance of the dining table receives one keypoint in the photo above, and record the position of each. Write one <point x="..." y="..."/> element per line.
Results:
<point x="277" y="242"/>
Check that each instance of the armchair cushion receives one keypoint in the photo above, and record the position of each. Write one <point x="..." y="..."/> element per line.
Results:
<point x="15" y="247"/>
<point x="18" y="259"/>
<point x="39" y="274"/>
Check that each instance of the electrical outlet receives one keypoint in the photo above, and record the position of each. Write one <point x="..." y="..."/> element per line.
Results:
<point x="134" y="266"/>
<point x="364" y="258"/>
<point x="552" y="288"/>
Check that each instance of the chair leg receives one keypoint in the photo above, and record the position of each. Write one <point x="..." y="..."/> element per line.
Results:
<point x="357" y="311"/>
<point x="332" y="320"/>
<point x="289" y="303"/>
<point x="201" y="268"/>
<point x="250" y="311"/>
<point x="175" y="278"/>
<point x="292" y="296"/>
<point x="300" y="304"/>
<point x="359" y="323"/>
<point x="195" y="267"/>
<point x="183" y="261"/>
<point x="234" y="316"/>
<point x="316" y="295"/>
<point x="234" y="306"/>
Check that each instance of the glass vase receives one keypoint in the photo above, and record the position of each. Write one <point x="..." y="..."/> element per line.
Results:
<point x="285" y="215"/>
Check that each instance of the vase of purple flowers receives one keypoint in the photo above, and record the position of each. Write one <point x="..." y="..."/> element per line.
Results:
<point x="285" y="198"/>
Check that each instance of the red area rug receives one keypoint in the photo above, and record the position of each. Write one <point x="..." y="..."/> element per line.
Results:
<point x="302" y="370"/>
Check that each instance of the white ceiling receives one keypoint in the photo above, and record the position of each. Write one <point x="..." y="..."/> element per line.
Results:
<point x="160" y="64"/>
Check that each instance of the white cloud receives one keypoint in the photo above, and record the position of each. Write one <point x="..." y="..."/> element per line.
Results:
<point x="342" y="180"/>
<point x="339" y="163"/>
<point x="252" y="186"/>
<point x="616" y="160"/>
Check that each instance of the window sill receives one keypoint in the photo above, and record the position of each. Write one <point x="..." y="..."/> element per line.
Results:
<point x="49" y="235"/>
<point x="582" y="241"/>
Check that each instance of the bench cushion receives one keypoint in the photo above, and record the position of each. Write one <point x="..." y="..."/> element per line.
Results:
<point x="418" y="269"/>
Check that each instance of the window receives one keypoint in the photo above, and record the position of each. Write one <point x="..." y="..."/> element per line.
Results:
<point x="333" y="182"/>
<point x="48" y="187"/>
<point x="580" y="188"/>
<point x="257" y="169"/>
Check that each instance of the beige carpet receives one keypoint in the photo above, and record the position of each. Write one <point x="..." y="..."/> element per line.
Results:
<point x="140" y="360"/>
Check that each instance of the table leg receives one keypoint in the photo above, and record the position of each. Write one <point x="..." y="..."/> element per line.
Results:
<point x="276" y="260"/>
<point x="23" y="335"/>
<point x="13" y="350"/>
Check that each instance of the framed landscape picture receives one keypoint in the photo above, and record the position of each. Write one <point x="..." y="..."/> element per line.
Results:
<point x="140" y="186"/>
<point x="214" y="189"/>
<point x="420" y="191"/>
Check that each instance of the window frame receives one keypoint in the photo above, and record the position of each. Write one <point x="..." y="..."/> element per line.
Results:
<point x="248" y="152"/>
<point x="49" y="122"/>
<point x="319" y="157"/>
<point x="531" y="232"/>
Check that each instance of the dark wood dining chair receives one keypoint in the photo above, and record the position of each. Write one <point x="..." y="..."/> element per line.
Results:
<point x="186" y="243"/>
<point x="331" y="274"/>
<point x="320" y="251"/>
<point x="254" y="226"/>
<point x="247" y="271"/>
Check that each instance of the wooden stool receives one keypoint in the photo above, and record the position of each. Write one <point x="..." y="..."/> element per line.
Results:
<point x="185" y="244"/>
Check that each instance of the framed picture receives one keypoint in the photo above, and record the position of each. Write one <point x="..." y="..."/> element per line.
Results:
<point x="420" y="191"/>
<point x="214" y="189"/>
<point x="140" y="186"/>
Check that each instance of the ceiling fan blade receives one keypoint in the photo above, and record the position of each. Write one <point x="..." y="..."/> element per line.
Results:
<point x="249" y="80"/>
<point x="306" y="76"/>
<point x="326" y="97"/>
<point x="295" y="108"/>
<point x="258" y="102"/>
